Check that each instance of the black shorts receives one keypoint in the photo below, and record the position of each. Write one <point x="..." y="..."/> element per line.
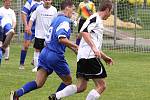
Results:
<point x="38" y="43"/>
<point x="90" y="69"/>
<point x="81" y="22"/>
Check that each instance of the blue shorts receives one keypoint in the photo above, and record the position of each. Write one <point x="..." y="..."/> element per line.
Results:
<point x="7" y="28"/>
<point x="51" y="61"/>
<point x="29" y="37"/>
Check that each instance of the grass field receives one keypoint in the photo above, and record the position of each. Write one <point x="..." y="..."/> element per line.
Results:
<point x="128" y="78"/>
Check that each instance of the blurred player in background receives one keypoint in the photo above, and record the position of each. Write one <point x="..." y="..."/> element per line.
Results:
<point x="52" y="56"/>
<point x="43" y="16"/>
<point x="29" y="7"/>
<point x="89" y="65"/>
<point x="85" y="10"/>
<point x="8" y="24"/>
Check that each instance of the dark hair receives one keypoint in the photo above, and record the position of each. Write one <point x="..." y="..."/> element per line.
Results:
<point x="66" y="3"/>
<point x="105" y="4"/>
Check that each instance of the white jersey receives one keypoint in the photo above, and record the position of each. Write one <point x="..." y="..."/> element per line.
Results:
<point x="8" y="14"/>
<point x="43" y="18"/>
<point x="94" y="26"/>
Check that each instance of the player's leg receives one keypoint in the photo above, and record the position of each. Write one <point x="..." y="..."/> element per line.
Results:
<point x="6" y="54"/>
<point x="26" y="44"/>
<point x="98" y="79"/>
<point x="41" y="77"/>
<point x="9" y="32"/>
<point x="70" y="89"/>
<point x="38" y="45"/>
<point x="63" y="71"/>
<point x="94" y="94"/>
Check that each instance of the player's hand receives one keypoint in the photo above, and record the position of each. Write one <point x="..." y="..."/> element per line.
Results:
<point x="26" y="28"/>
<point x="108" y="60"/>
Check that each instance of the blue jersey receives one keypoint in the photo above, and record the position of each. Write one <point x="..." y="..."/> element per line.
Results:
<point x="29" y="7"/>
<point x="60" y="27"/>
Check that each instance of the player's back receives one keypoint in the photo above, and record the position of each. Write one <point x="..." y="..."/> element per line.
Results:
<point x="60" y="27"/>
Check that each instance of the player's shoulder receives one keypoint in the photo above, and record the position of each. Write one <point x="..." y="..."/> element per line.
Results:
<point x="29" y="1"/>
<point x="53" y="7"/>
<point x="40" y="7"/>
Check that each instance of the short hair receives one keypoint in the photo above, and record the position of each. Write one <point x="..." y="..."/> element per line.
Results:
<point x="66" y="3"/>
<point x="105" y="4"/>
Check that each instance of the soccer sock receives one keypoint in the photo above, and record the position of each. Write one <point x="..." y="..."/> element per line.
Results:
<point x="26" y="88"/>
<point x="23" y="56"/>
<point x="6" y="55"/>
<point x="1" y="55"/>
<point x="78" y="41"/>
<point x="93" y="95"/>
<point x="67" y="91"/>
<point x="36" y="56"/>
<point x="61" y="87"/>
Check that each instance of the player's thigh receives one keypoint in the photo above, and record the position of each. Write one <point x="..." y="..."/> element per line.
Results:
<point x="63" y="71"/>
<point x="26" y="43"/>
<point x="99" y="82"/>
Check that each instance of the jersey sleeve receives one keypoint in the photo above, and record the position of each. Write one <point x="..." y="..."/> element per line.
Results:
<point x="26" y="7"/>
<point x="63" y="29"/>
<point x="89" y="25"/>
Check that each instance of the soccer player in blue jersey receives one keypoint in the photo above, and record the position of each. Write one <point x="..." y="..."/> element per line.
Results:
<point x="29" y="7"/>
<point x="52" y="56"/>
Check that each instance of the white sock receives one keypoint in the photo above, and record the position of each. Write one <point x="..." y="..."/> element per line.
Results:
<point x="6" y="55"/>
<point x="93" y="95"/>
<point x="36" y="56"/>
<point x="67" y="91"/>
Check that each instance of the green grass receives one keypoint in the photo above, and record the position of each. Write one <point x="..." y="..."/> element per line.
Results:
<point x="128" y="78"/>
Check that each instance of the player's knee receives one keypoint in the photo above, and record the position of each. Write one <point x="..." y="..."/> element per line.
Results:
<point x="81" y="88"/>
<point x="39" y="85"/>
<point x="68" y="81"/>
<point x="25" y="48"/>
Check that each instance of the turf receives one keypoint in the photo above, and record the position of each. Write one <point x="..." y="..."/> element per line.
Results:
<point x="128" y="78"/>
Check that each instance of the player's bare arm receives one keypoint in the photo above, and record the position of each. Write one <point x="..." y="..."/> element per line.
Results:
<point x="29" y="27"/>
<point x="69" y="44"/>
<point x="89" y="41"/>
<point x="24" y="18"/>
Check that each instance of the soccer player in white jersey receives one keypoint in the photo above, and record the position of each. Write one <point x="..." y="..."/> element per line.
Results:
<point x="43" y="15"/>
<point x="89" y="65"/>
<point x="29" y="7"/>
<point x="52" y="56"/>
<point x="8" y="24"/>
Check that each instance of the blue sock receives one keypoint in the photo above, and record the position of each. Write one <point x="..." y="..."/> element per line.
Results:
<point x="78" y="41"/>
<point x="26" y="88"/>
<point x="61" y="87"/>
<point x="1" y="55"/>
<point x="23" y="56"/>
